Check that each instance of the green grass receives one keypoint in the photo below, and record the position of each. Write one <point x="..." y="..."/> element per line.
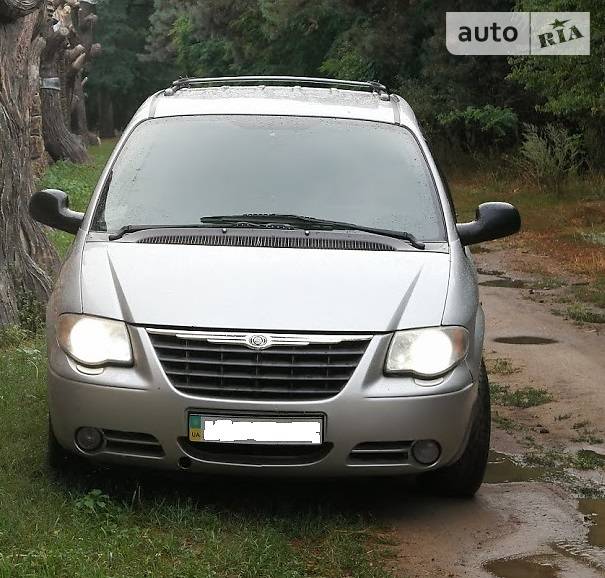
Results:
<point x="501" y="366"/>
<point x="523" y="398"/>
<point x="93" y="523"/>
<point x="593" y="293"/>
<point x="78" y="181"/>
<point x="588" y="460"/>
<point x="583" y="314"/>
<point x="101" y="523"/>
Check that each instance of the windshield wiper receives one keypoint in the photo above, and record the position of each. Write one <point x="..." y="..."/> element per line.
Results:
<point x="212" y="222"/>
<point x="302" y="220"/>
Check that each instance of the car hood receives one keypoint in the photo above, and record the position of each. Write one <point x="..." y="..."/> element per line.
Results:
<point x="264" y="288"/>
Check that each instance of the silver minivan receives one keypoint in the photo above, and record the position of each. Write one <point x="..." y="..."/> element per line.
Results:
<point x="270" y="279"/>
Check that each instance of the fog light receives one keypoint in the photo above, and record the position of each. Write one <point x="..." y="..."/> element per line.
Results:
<point x="89" y="439"/>
<point x="426" y="452"/>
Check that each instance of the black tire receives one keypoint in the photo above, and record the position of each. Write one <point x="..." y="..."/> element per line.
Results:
<point x="464" y="477"/>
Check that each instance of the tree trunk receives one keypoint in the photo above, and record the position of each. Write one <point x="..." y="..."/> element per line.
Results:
<point x="59" y="141"/>
<point x="83" y="51"/>
<point x="25" y="252"/>
<point x="106" y="118"/>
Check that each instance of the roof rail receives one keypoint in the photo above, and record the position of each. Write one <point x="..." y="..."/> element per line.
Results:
<point x="373" y="86"/>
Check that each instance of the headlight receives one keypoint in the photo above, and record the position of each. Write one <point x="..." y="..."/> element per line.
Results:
<point x="93" y="341"/>
<point x="426" y="352"/>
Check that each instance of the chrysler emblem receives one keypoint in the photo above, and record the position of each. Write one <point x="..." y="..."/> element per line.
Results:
<point x="258" y="341"/>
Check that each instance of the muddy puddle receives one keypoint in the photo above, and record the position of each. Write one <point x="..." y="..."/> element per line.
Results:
<point x="503" y="469"/>
<point x="594" y="511"/>
<point x="505" y="282"/>
<point x="530" y="567"/>
<point x="525" y="340"/>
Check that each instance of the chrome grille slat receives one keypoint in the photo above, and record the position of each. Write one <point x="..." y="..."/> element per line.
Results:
<point x="234" y="375"/>
<point x="262" y="363"/>
<point x="305" y="367"/>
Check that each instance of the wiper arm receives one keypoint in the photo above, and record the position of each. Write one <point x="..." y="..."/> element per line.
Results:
<point x="126" y="229"/>
<point x="276" y="218"/>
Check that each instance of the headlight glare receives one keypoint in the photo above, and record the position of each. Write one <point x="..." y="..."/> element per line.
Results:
<point x="426" y="352"/>
<point x="94" y="341"/>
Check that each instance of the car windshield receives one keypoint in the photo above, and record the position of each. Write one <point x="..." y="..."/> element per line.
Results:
<point x="175" y="171"/>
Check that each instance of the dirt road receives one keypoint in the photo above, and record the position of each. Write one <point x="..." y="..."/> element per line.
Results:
<point x="524" y="529"/>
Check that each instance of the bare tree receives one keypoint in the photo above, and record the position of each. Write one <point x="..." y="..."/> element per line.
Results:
<point x="26" y="255"/>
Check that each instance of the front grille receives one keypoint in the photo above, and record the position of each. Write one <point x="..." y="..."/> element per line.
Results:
<point x="255" y="454"/>
<point x="131" y="443"/>
<point x="305" y="371"/>
<point x="380" y="453"/>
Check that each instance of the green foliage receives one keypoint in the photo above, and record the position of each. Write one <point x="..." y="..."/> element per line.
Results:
<point x="120" y="73"/>
<point x="473" y="103"/>
<point x="583" y="314"/>
<point x="570" y="87"/>
<point x="479" y="127"/>
<point x="588" y="460"/>
<point x="346" y="61"/>
<point x="31" y="312"/>
<point x="12" y="336"/>
<point x="550" y="156"/>
<point x="523" y="397"/>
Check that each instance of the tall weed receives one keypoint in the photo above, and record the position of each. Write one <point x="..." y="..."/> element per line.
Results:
<point x="549" y="157"/>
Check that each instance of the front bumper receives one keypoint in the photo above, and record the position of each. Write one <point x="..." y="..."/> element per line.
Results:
<point x="140" y="409"/>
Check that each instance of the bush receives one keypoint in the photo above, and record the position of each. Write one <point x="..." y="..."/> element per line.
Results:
<point x="12" y="336"/>
<point x="551" y="156"/>
<point x="487" y="127"/>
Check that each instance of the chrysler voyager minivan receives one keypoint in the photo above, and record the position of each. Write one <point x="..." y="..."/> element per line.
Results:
<point x="270" y="278"/>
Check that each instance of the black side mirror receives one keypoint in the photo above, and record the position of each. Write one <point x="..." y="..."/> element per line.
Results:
<point x="51" y="207"/>
<point x="492" y="221"/>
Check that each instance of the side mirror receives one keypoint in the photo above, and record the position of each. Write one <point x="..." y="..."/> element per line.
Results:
<point x="51" y="207"/>
<point x="492" y="221"/>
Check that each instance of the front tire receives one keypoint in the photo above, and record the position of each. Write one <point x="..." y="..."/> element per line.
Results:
<point x="464" y="477"/>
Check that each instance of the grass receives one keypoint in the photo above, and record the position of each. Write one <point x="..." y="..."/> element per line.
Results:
<point x="583" y="314"/>
<point x="588" y="460"/>
<point x="594" y="292"/>
<point x="507" y="424"/>
<point x="523" y="398"/>
<point x="588" y="437"/>
<point x="501" y="366"/>
<point x="102" y="523"/>
<point x="93" y="523"/>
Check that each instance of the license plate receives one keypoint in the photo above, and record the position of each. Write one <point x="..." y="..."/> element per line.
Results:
<point x="270" y="430"/>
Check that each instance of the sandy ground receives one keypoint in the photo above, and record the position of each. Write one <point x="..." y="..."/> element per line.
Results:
<point x="537" y="523"/>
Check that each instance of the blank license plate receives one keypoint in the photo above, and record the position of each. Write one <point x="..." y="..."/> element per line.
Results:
<point x="204" y="428"/>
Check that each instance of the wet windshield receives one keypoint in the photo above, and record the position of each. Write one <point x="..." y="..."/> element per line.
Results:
<point x="174" y="171"/>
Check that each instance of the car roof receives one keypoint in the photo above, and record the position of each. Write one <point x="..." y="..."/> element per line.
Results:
<point x="297" y="100"/>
